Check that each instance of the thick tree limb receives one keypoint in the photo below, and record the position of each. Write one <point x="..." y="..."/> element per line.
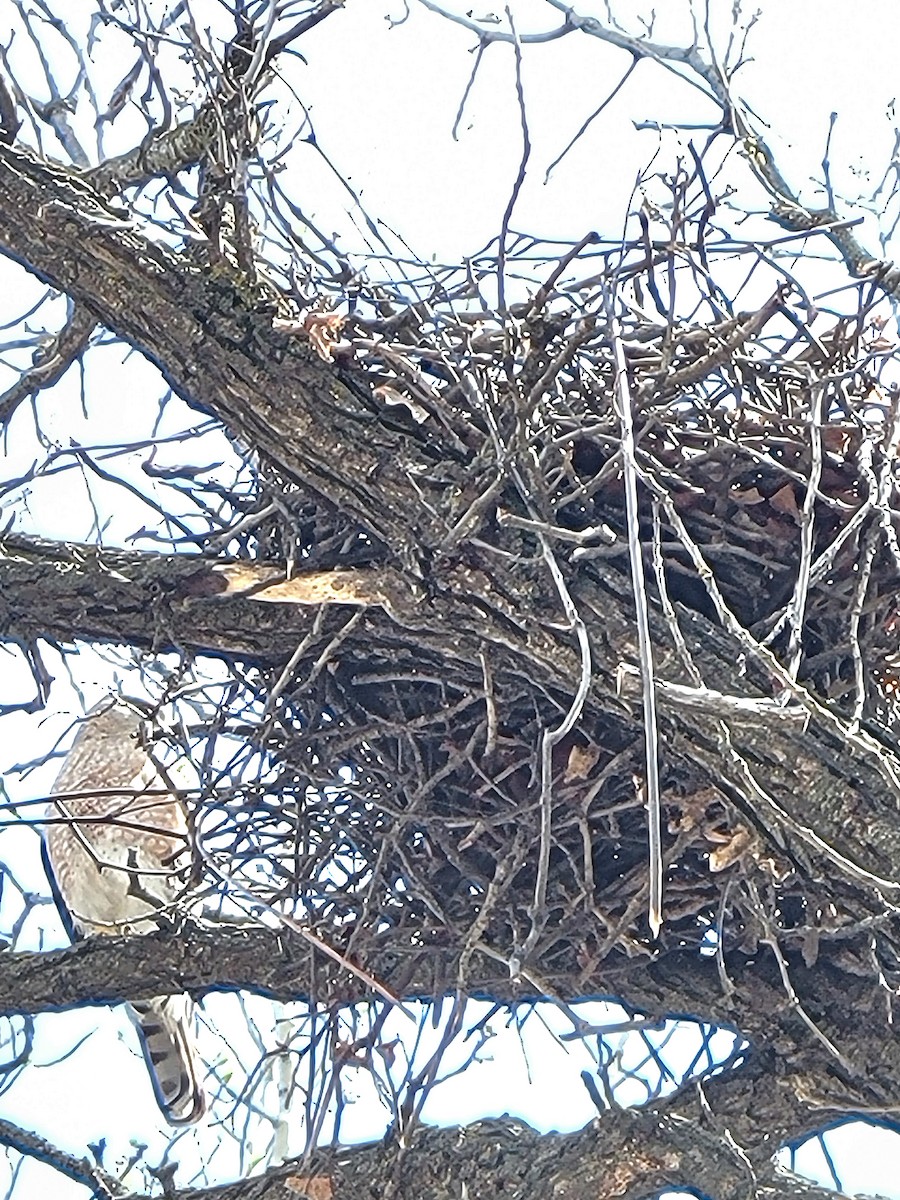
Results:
<point x="63" y="591"/>
<point x="155" y="601"/>
<point x="109" y="970"/>
<point x="220" y="353"/>
<point x="621" y="1155"/>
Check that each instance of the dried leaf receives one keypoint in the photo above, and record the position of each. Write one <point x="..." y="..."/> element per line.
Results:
<point x="581" y="761"/>
<point x="784" y="501"/>
<point x="736" y="845"/>
<point x="390" y="395"/>
<point x="314" y="1187"/>
<point x="749" y="497"/>
<point x="323" y="330"/>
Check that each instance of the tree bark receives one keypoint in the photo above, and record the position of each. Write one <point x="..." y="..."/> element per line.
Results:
<point x="800" y="1070"/>
<point x="623" y="1155"/>
<point x="217" y="349"/>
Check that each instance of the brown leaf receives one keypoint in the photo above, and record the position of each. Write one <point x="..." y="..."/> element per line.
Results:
<point x="784" y="501"/>
<point x="749" y="497"/>
<point x="737" y="844"/>
<point x="581" y="760"/>
<point x="314" y="1187"/>
<point x="390" y="395"/>
<point x="838" y="438"/>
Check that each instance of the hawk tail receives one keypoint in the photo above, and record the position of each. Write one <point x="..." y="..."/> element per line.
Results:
<point x="165" y="1027"/>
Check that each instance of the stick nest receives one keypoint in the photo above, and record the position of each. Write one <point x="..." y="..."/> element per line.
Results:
<point x="394" y="800"/>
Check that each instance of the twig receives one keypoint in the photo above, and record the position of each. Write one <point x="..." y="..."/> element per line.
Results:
<point x="520" y="176"/>
<point x="704" y="699"/>
<point x="770" y="938"/>
<point x="797" y="607"/>
<point x="642" y="620"/>
<point x="239" y="889"/>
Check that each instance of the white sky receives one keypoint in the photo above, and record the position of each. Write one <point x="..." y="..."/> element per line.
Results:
<point x="383" y="100"/>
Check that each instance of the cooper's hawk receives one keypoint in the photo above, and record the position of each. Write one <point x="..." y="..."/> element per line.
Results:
<point x="113" y="860"/>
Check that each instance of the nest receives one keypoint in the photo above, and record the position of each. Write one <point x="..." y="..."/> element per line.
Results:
<point x="425" y="791"/>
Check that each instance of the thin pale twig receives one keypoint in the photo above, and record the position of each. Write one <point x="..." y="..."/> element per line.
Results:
<point x="645" y="646"/>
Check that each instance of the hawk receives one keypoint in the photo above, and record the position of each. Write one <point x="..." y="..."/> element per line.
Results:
<point x="113" y="863"/>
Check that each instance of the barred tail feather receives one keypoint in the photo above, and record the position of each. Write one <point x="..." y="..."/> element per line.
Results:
<point x="166" y="1031"/>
